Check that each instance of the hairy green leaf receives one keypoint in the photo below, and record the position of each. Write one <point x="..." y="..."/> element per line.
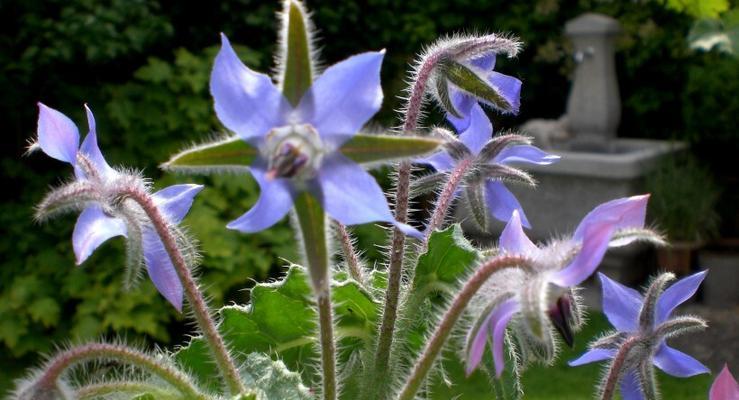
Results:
<point x="447" y="260"/>
<point x="378" y="148"/>
<point x="272" y="379"/>
<point x="223" y="155"/>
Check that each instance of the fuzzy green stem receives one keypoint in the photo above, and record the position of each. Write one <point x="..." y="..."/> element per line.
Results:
<point x="312" y="223"/>
<point x="444" y="329"/>
<point x="132" y="388"/>
<point x="350" y="254"/>
<point x="103" y="351"/>
<point x="208" y="326"/>
<point x="615" y="371"/>
<point x="397" y="247"/>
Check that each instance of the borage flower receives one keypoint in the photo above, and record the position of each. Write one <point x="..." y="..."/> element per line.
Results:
<point x="484" y="190"/>
<point x="299" y="146"/>
<point x="642" y="324"/>
<point x="96" y="192"/>
<point x="539" y="295"/>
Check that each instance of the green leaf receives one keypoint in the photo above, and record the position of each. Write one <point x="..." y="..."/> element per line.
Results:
<point x="271" y="379"/>
<point x="447" y="260"/>
<point x="469" y="81"/>
<point x="296" y="58"/>
<point x="230" y="154"/>
<point x="281" y="321"/>
<point x="699" y="8"/>
<point x="378" y="148"/>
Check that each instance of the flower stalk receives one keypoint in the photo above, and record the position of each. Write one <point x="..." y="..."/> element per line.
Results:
<point x="450" y="318"/>
<point x="224" y="361"/>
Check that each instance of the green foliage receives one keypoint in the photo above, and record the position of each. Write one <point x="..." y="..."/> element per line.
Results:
<point x="721" y="34"/>
<point x="699" y="8"/>
<point x="272" y="380"/>
<point x="683" y="200"/>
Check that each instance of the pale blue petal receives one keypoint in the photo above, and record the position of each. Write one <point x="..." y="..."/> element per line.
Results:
<point x="344" y="98"/>
<point x="677" y="294"/>
<point x="441" y="161"/>
<point x="58" y="136"/>
<point x="525" y="154"/>
<point x="594" y="246"/>
<point x="275" y="200"/>
<point x="479" y="131"/>
<point x="501" y="203"/>
<point x="509" y="88"/>
<point x="161" y="270"/>
<point x="477" y="347"/>
<point x="497" y="326"/>
<point x="350" y="195"/>
<point x="175" y="201"/>
<point x="627" y="212"/>
<point x="463" y="103"/>
<point x="591" y="356"/>
<point x="630" y="389"/>
<point x="621" y="304"/>
<point x="677" y="363"/>
<point x="91" y="150"/>
<point x="485" y="62"/>
<point x="93" y="228"/>
<point x="246" y="102"/>
<point x="513" y="240"/>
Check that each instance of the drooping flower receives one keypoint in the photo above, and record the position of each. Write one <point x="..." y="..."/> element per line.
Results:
<point x="95" y="191"/>
<point x="298" y="145"/>
<point x="537" y="298"/>
<point x="724" y="387"/>
<point x="484" y="190"/>
<point x="642" y="324"/>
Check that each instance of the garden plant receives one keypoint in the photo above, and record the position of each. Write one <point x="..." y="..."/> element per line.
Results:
<point x="334" y="326"/>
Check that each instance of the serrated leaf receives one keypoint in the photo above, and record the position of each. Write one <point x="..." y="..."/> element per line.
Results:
<point x="364" y="149"/>
<point x="226" y="154"/>
<point x="297" y="64"/>
<point x="472" y="83"/>
<point x="271" y="379"/>
<point x="281" y="321"/>
<point x="447" y="260"/>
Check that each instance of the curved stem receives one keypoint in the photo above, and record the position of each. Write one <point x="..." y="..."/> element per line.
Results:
<point x="447" y="195"/>
<point x="350" y="254"/>
<point x="615" y="371"/>
<point x="56" y="366"/>
<point x="132" y="388"/>
<point x="205" y="321"/>
<point x="397" y="248"/>
<point x="444" y="329"/>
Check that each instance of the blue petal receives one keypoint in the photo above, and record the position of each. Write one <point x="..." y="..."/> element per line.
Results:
<point x="513" y="239"/>
<point x="175" y="201"/>
<point x="677" y="294"/>
<point x="93" y="228"/>
<point x="498" y="323"/>
<point x="621" y="304"/>
<point x="630" y="389"/>
<point x="275" y="200"/>
<point x="463" y="103"/>
<point x="485" y="62"/>
<point x="478" y="132"/>
<point x="501" y="203"/>
<point x="350" y="195"/>
<point x="592" y="355"/>
<point x="91" y="150"/>
<point x="160" y="268"/>
<point x="627" y="212"/>
<point x="525" y="154"/>
<point x="677" y="363"/>
<point x="344" y="98"/>
<point x="246" y="102"/>
<point x="509" y="88"/>
<point x="441" y="161"/>
<point x="57" y="135"/>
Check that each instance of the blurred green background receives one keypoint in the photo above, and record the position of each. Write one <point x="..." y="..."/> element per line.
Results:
<point x="143" y="66"/>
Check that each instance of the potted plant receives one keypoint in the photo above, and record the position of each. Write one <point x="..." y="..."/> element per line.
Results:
<point x="683" y="205"/>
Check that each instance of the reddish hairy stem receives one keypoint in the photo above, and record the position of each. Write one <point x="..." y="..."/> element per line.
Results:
<point x="446" y="196"/>
<point x="444" y="329"/>
<point x="205" y="321"/>
<point x="615" y="371"/>
<point x="350" y="254"/>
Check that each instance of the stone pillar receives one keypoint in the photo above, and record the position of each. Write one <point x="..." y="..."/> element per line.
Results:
<point x="594" y="106"/>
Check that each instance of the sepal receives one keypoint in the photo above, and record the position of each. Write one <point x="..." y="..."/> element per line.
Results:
<point x="371" y="149"/>
<point x="471" y="82"/>
<point x="230" y="154"/>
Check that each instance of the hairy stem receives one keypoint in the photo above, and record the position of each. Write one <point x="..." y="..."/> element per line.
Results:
<point x="444" y="329"/>
<point x="102" y="351"/>
<point x="446" y="196"/>
<point x="224" y="361"/>
<point x="350" y="254"/>
<point x="132" y="388"/>
<point x="615" y="371"/>
<point x="311" y="220"/>
<point x="397" y="247"/>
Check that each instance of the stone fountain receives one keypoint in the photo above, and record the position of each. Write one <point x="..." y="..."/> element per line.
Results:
<point x="596" y="165"/>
